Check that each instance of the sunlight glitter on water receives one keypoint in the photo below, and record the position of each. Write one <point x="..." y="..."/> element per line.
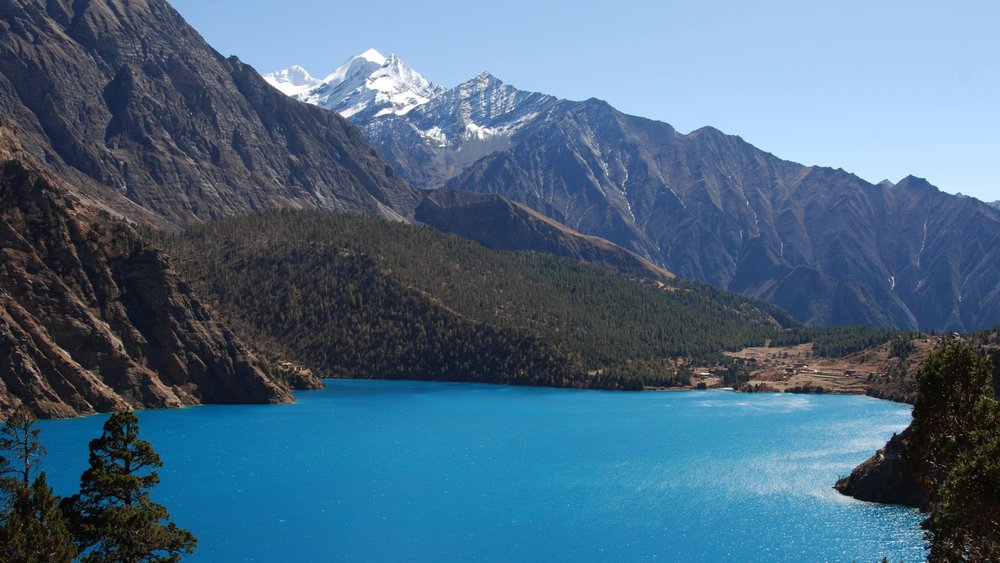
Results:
<point x="388" y="471"/>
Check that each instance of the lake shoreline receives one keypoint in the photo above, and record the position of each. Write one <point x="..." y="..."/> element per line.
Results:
<point x="427" y="471"/>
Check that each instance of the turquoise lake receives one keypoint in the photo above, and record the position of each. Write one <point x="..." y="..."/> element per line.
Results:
<point x="405" y="471"/>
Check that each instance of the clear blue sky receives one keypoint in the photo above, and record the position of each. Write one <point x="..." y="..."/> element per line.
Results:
<point x="881" y="88"/>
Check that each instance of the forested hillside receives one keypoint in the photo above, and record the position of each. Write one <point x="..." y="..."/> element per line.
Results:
<point x="355" y="296"/>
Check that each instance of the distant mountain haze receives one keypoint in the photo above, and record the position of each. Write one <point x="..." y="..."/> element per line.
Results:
<point x="826" y="245"/>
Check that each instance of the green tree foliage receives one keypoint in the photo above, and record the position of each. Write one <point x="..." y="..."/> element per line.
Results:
<point x="965" y="526"/>
<point x="32" y="527"/>
<point x="362" y="297"/>
<point x="901" y="348"/>
<point x="948" y="414"/>
<point x="34" y="530"/>
<point x="20" y="440"/>
<point x="955" y="448"/>
<point x="114" y="518"/>
<point x="839" y="341"/>
<point x="986" y="336"/>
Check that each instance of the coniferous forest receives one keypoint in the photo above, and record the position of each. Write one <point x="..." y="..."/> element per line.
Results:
<point x="363" y="297"/>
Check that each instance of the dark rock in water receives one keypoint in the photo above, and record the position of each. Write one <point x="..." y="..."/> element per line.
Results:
<point x="94" y="320"/>
<point x="885" y="477"/>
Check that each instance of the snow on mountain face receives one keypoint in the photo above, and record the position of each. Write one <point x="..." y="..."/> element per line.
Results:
<point x="995" y="204"/>
<point x="370" y="86"/>
<point x="292" y="81"/>
<point x="481" y="109"/>
<point x="441" y="138"/>
<point x="367" y="85"/>
<point x="392" y="102"/>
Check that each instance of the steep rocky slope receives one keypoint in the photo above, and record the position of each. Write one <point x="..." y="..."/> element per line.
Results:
<point x="92" y="319"/>
<point x="826" y="245"/>
<point x="885" y="477"/>
<point x="502" y="224"/>
<point x="821" y="243"/>
<point x="129" y="103"/>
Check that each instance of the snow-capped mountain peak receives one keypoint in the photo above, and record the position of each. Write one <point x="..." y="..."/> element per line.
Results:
<point x="292" y="81"/>
<point x="374" y="56"/>
<point x="356" y="69"/>
<point x="456" y="126"/>
<point x="368" y="84"/>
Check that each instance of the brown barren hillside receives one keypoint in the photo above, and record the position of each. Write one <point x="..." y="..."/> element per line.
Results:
<point x="874" y="371"/>
<point x="128" y="102"/>
<point x="94" y="320"/>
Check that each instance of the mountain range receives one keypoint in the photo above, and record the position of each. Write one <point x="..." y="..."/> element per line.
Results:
<point x="140" y="116"/>
<point x="824" y="244"/>
<point x="115" y="114"/>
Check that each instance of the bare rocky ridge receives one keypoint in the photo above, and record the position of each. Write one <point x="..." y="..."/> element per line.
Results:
<point x="93" y="320"/>
<point x="129" y="103"/>
<point x="825" y="245"/>
<point x="499" y="223"/>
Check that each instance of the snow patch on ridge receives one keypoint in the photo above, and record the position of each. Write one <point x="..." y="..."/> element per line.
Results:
<point x="369" y="83"/>
<point x="456" y="127"/>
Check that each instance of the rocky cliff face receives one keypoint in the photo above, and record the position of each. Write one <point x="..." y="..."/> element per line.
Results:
<point x="94" y="320"/>
<point x="125" y="100"/>
<point x="885" y="477"/>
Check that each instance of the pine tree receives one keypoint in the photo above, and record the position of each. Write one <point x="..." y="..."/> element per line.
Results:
<point x="948" y="413"/>
<point x="955" y="446"/>
<point x="966" y="524"/>
<point x="21" y="440"/>
<point x="35" y="530"/>
<point x="114" y="517"/>
<point x="33" y="527"/>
